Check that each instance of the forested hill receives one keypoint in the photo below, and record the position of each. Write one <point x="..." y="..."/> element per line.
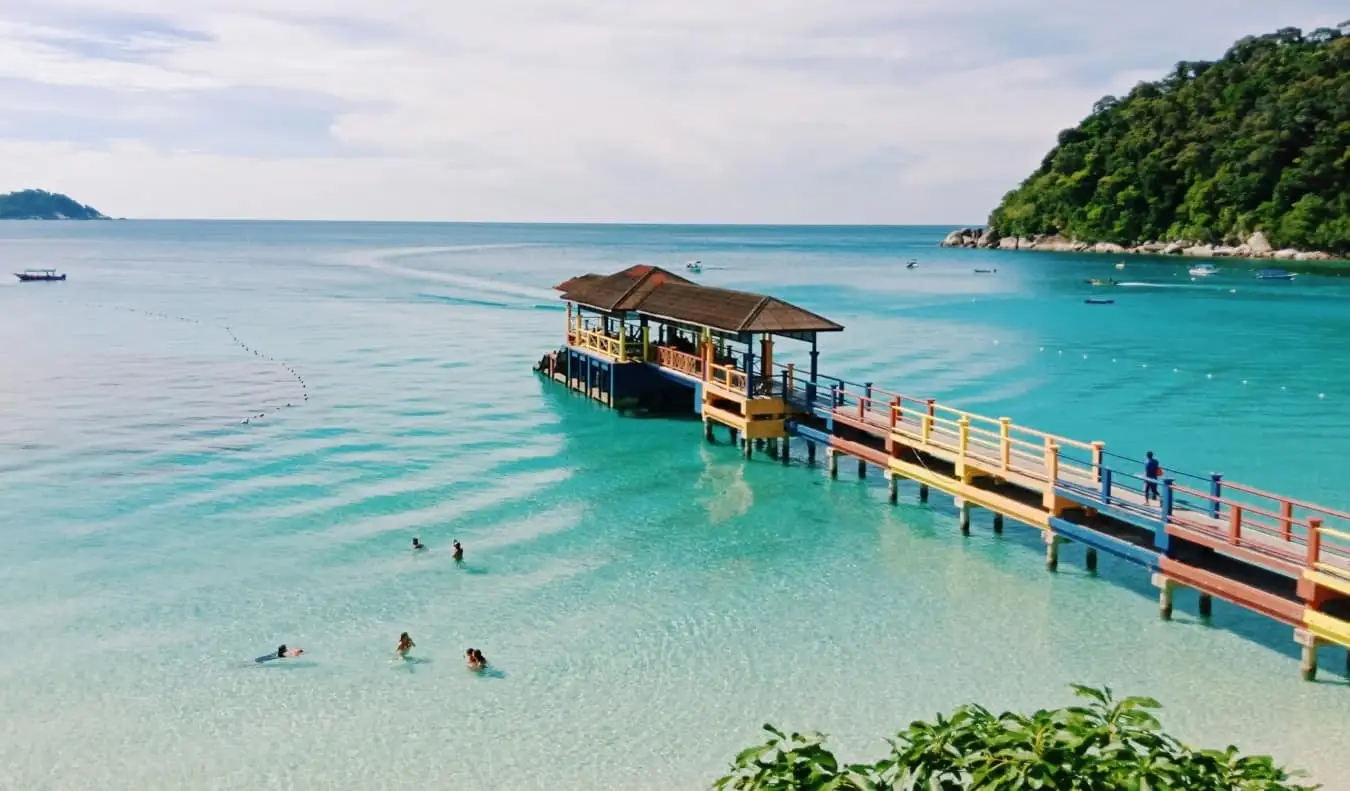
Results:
<point x="43" y="205"/>
<point x="1259" y="140"/>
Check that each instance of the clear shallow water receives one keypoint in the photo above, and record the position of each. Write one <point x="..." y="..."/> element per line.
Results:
<point x="649" y="600"/>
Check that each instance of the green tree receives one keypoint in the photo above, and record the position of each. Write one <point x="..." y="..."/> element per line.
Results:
<point x="1104" y="745"/>
<point x="1259" y="140"/>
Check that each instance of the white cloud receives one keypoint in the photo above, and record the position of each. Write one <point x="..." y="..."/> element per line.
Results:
<point x="697" y="110"/>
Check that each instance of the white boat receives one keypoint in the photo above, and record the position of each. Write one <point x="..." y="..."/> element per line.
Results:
<point x="694" y="266"/>
<point x="1204" y="270"/>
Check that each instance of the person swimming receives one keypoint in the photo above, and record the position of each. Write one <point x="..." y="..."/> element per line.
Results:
<point x="474" y="659"/>
<point x="459" y="551"/>
<point x="405" y="644"/>
<point x="418" y="544"/>
<point x="282" y="652"/>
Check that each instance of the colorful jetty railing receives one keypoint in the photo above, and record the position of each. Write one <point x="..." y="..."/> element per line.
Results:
<point x="1057" y="477"/>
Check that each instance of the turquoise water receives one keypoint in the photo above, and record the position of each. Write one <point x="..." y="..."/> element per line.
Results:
<point x="648" y="600"/>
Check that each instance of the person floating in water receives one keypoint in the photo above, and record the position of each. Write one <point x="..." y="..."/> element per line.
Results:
<point x="282" y="652"/>
<point x="475" y="659"/>
<point x="418" y="544"/>
<point x="459" y="551"/>
<point x="405" y="644"/>
<point x="1152" y="471"/>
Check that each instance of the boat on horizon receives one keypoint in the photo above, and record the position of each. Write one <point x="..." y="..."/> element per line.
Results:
<point x="986" y="271"/>
<point x="1203" y="270"/>
<point x="1275" y="274"/>
<point x="694" y="266"/>
<point x="1099" y="301"/>
<point x="912" y="264"/>
<point x="1107" y="282"/>
<point x="39" y="275"/>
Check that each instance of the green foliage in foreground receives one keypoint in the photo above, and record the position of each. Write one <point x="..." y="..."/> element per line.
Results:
<point x="43" y="205"/>
<point x="1259" y="140"/>
<point x="1106" y="745"/>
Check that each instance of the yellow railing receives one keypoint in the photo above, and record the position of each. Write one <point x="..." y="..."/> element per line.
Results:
<point x="614" y="348"/>
<point x="676" y="360"/>
<point x="728" y="377"/>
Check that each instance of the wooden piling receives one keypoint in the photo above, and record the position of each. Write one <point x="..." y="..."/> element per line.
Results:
<point x="892" y="486"/>
<point x="707" y="430"/>
<point x="1307" y="665"/>
<point x="833" y="458"/>
<point x="1165" y="587"/>
<point x="1206" y="605"/>
<point x="787" y="448"/>
<point x="862" y="468"/>
<point x="964" y="508"/>
<point x="923" y="492"/>
<point x="998" y="523"/>
<point x="1051" y="551"/>
<point x="1091" y="560"/>
<point x="810" y="452"/>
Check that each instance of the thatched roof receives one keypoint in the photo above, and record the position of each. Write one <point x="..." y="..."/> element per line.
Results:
<point x="655" y="292"/>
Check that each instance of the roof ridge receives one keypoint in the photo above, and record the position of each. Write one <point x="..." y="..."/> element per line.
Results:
<point x="754" y="314"/>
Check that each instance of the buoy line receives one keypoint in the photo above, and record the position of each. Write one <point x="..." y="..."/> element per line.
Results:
<point x="290" y="369"/>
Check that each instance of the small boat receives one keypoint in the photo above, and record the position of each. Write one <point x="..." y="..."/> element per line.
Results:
<point x="1203" y="270"/>
<point x="39" y="275"/>
<point x="985" y="271"/>
<point x="1107" y="282"/>
<point x="913" y="264"/>
<point x="694" y="266"/>
<point x="1274" y="274"/>
<point x="1120" y="265"/>
<point x="1099" y="301"/>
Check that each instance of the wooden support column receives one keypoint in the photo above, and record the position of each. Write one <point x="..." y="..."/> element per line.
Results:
<point x="832" y="456"/>
<point x="707" y="430"/>
<point x="1165" y="588"/>
<point x="892" y="487"/>
<point x="862" y="468"/>
<point x="963" y="507"/>
<point x="1091" y="560"/>
<point x="810" y="452"/>
<point x="998" y="523"/>
<point x="1051" y="551"/>
<point x="1206" y="605"/>
<point x="923" y="492"/>
<point x="787" y="449"/>
<point x="1308" y="665"/>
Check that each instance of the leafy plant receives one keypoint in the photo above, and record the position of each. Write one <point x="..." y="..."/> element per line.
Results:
<point x="1102" y="745"/>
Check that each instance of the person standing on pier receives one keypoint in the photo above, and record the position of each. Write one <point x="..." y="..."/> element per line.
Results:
<point x="1152" y="469"/>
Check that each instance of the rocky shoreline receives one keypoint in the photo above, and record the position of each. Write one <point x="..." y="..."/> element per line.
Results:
<point x="1256" y="246"/>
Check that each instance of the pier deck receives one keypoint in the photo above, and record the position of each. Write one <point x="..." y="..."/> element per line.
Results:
<point x="1278" y="556"/>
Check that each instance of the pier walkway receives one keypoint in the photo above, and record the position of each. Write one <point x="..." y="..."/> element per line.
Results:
<point x="654" y="333"/>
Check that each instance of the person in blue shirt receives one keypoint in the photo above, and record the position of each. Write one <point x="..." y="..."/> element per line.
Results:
<point x="1152" y="470"/>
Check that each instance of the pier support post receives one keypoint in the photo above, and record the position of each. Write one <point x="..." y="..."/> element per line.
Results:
<point x="1307" y="667"/>
<point x="810" y="452"/>
<point x="773" y="448"/>
<point x="833" y="458"/>
<point x="893" y="489"/>
<point x="734" y="434"/>
<point x="923" y="492"/>
<point x="1051" y="551"/>
<point x="862" y="468"/>
<point x="707" y="430"/>
<point x="1206" y="605"/>
<point x="1165" y="588"/>
<point x="998" y="524"/>
<point x="964" y="508"/>
<point x="1092" y="560"/>
<point x="749" y="445"/>
<point x="787" y="447"/>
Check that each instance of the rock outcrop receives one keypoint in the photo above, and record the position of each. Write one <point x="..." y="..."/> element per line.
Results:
<point x="1256" y="246"/>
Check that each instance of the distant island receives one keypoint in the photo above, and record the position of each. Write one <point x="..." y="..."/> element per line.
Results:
<point x="1248" y="156"/>
<point x="43" y="205"/>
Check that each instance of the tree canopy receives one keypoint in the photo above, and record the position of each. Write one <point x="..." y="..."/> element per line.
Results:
<point x="1104" y="745"/>
<point x="1259" y="140"/>
<point x="43" y="205"/>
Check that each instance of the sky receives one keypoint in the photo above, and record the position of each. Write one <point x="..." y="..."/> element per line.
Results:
<point x="726" y="111"/>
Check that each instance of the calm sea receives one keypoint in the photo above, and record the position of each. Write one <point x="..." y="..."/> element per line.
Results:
<point x="648" y="600"/>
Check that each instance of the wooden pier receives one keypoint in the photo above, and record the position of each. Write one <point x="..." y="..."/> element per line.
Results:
<point x="648" y="339"/>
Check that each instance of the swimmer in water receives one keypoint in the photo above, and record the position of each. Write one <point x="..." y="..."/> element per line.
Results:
<point x="282" y="652"/>
<point x="418" y="544"/>
<point x="474" y="660"/>
<point x="459" y="551"/>
<point x="405" y="644"/>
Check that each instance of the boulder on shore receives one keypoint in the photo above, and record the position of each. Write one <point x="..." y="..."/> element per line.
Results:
<point x="1259" y="244"/>
<point x="1199" y="251"/>
<point x="1285" y="255"/>
<point x="1175" y="248"/>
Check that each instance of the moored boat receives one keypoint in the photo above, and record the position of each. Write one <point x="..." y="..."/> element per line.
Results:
<point x="1274" y="274"/>
<point x="1203" y="270"/>
<point x="1098" y="301"/>
<point x="39" y="275"/>
<point x="694" y="266"/>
